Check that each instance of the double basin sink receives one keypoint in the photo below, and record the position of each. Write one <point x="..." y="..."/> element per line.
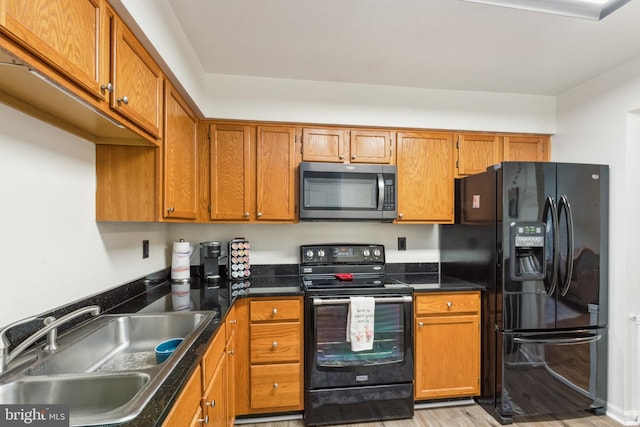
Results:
<point x="105" y="370"/>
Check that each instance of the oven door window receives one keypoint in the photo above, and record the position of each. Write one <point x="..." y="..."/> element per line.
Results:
<point x="333" y="350"/>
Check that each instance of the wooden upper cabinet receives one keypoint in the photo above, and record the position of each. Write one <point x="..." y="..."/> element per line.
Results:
<point x="324" y="145"/>
<point x="371" y="146"/>
<point x="346" y="146"/>
<point x="476" y="152"/>
<point x="526" y="148"/>
<point x="64" y="33"/>
<point x="180" y="164"/>
<point x="137" y="81"/>
<point x="275" y="174"/>
<point x="230" y="163"/>
<point x="425" y="177"/>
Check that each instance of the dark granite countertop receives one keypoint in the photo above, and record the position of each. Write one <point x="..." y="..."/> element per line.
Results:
<point x="155" y="293"/>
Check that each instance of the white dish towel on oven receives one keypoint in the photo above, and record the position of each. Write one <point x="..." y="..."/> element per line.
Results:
<point x="360" y="323"/>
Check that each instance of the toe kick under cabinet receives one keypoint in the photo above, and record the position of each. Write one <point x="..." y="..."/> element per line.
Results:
<point x="275" y="354"/>
<point x="447" y="345"/>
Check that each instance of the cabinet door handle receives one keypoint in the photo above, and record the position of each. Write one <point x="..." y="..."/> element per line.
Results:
<point x="232" y="352"/>
<point x="259" y="214"/>
<point x="246" y="214"/>
<point x="353" y="156"/>
<point x="341" y="156"/>
<point x="234" y="321"/>
<point x="124" y="100"/>
<point x="420" y="324"/>
<point x="171" y="210"/>
<point x="275" y="386"/>
<point x="211" y="404"/>
<point x="108" y="87"/>
<point x="204" y="421"/>
<point x="275" y="344"/>
<point x="400" y="215"/>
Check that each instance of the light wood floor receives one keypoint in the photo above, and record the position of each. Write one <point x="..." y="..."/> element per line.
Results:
<point x="461" y="416"/>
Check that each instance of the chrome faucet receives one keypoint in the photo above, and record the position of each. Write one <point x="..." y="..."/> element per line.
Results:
<point x="50" y="329"/>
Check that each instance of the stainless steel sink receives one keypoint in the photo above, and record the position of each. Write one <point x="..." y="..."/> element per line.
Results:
<point x="88" y="397"/>
<point x="120" y="343"/>
<point x="105" y="370"/>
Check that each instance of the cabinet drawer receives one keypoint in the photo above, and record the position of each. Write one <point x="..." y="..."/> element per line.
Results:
<point x="212" y="355"/>
<point x="275" y="342"/>
<point x="274" y="386"/>
<point x="274" y="310"/>
<point x="459" y="302"/>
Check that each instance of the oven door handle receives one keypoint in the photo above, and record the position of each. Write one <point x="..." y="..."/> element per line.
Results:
<point x="380" y="300"/>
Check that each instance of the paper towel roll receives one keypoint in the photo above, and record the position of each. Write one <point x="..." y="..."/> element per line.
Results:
<point x="180" y="260"/>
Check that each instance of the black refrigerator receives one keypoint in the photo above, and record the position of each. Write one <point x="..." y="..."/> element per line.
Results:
<point x="536" y="236"/>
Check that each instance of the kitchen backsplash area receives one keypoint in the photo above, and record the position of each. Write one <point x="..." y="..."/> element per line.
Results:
<point x="280" y="243"/>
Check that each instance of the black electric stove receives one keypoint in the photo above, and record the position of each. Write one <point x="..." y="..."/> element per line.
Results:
<point x="343" y="384"/>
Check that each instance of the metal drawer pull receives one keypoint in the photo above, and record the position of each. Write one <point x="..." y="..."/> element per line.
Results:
<point x="275" y="386"/>
<point x="204" y="420"/>
<point x="381" y="300"/>
<point x="420" y="324"/>
<point x="449" y="304"/>
<point x="212" y="404"/>
<point x="275" y="344"/>
<point x="275" y="311"/>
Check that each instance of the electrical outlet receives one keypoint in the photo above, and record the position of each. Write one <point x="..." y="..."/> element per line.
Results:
<point x="402" y="243"/>
<point x="145" y="249"/>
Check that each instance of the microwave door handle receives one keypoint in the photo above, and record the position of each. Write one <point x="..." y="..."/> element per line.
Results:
<point x="380" y="191"/>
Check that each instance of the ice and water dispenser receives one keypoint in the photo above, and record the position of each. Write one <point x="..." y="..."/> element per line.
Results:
<point x="527" y="251"/>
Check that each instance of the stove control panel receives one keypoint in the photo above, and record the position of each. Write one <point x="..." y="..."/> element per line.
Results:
<point x="342" y="254"/>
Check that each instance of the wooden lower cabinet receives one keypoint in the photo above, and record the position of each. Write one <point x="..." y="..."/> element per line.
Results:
<point x="208" y="396"/>
<point x="447" y="345"/>
<point x="274" y="363"/>
<point x="187" y="406"/>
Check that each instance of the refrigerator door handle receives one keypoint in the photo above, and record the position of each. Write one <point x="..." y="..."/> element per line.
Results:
<point x="559" y="341"/>
<point x="564" y="205"/>
<point x="550" y="208"/>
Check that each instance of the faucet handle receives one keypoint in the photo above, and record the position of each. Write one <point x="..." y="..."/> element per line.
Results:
<point x="52" y="335"/>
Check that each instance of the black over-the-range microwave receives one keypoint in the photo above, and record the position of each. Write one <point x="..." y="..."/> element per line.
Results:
<point x="339" y="191"/>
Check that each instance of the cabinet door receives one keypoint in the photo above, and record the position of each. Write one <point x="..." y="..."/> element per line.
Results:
<point x="137" y="81"/>
<point x="230" y="154"/>
<point x="425" y="177"/>
<point x="275" y="174"/>
<point x="187" y="406"/>
<point x="180" y="171"/>
<point x="476" y="152"/>
<point x="214" y="402"/>
<point x="526" y="148"/>
<point x="370" y="146"/>
<point x="64" y="33"/>
<point x="324" y="145"/>
<point x="447" y="356"/>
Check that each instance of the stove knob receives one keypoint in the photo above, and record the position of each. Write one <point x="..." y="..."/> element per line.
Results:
<point x="309" y="253"/>
<point x="366" y="252"/>
<point x="321" y="253"/>
<point x="376" y="253"/>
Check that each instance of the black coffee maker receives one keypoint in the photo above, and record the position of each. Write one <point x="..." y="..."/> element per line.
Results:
<point x="209" y="255"/>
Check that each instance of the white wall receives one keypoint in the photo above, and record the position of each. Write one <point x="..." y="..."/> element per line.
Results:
<point x="599" y="122"/>
<point x="255" y="98"/>
<point x="52" y="251"/>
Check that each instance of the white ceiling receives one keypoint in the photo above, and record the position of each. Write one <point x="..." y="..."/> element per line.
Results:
<point x="439" y="44"/>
